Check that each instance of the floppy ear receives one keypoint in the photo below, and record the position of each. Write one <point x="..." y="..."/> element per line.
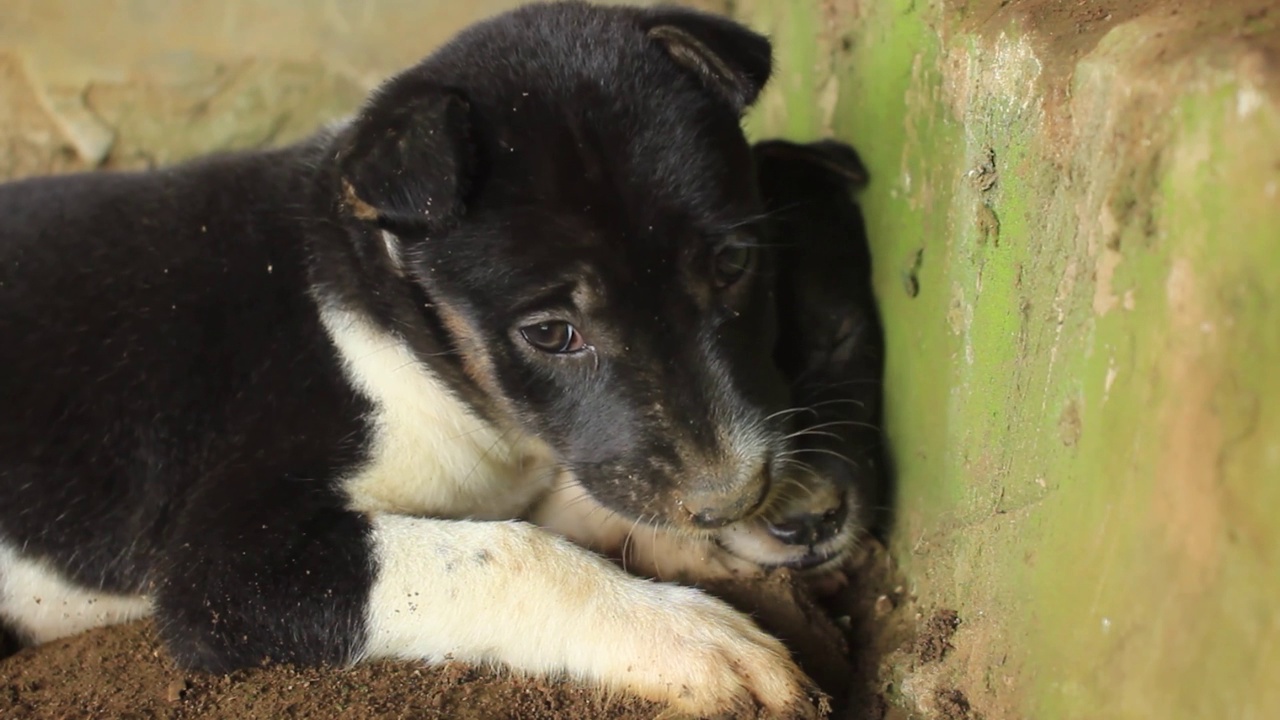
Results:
<point x="840" y="161"/>
<point x="406" y="160"/>
<point x="730" y="60"/>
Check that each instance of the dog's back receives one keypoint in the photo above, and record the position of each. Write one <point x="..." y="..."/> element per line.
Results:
<point x="157" y="331"/>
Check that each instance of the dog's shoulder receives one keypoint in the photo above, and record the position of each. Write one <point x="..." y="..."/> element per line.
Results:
<point x="159" y="332"/>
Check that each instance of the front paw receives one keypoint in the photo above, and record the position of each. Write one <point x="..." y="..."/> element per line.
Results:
<point x="705" y="659"/>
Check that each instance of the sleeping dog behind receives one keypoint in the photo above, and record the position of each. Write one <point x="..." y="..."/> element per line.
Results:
<point x="291" y="402"/>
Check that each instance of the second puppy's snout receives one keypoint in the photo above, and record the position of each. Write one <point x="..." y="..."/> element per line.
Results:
<point x="809" y="528"/>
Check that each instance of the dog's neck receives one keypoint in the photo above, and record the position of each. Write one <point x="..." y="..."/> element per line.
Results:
<point x="432" y="453"/>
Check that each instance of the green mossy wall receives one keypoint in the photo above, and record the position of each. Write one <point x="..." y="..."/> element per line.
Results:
<point x="1075" y="212"/>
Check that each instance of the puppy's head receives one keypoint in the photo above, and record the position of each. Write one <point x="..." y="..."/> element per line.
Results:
<point x="566" y="193"/>
<point x="830" y="346"/>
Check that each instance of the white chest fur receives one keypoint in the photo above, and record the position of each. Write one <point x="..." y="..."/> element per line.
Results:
<point x="431" y="455"/>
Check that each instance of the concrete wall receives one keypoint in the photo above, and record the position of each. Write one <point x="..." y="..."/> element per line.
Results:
<point x="1076" y="216"/>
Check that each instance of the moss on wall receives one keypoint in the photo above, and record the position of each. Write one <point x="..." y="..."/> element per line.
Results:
<point x="1076" y="216"/>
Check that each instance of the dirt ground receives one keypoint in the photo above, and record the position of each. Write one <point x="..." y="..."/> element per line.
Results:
<point x="123" y="672"/>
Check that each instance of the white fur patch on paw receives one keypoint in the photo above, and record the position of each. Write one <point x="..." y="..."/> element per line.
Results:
<point x="515" y="594"/>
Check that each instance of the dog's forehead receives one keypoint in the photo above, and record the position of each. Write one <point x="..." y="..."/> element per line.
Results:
<point x="645" y="177"/>
<point x="599" y="155"/>
<point x="577" y="104"/>
<point x="576" y="259"/>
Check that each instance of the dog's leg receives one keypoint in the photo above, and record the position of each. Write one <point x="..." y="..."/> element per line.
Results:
<point x="511" y="592"/>
<point x="350" y="587"/>
<point x="264" y="570"/>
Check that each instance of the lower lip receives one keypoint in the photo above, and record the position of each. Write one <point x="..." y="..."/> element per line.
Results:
<point x="810" y="562"/>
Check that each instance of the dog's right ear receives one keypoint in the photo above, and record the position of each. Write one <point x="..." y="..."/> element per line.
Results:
<point x="730" y="60"/>
<point x="406" y="161"/>
<point x="838" y="160"/>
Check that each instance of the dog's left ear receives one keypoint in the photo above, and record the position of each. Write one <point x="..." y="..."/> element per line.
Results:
<point x="732" y="62"/>
<point x="405" y="163"/>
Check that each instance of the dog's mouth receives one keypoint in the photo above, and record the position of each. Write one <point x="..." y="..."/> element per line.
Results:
<point x="808" y="541"/>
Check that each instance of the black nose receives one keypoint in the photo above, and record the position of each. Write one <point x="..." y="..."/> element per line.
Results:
<point x="809" y="530"/>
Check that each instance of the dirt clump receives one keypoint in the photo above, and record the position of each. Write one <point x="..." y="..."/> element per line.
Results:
<point x="781" y="604"/>
<point x="952" y="705"/>
<point x="934" y="640"/>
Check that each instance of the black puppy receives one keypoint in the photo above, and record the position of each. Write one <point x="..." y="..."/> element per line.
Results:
<point x="289" y="402"/>
<point x="830" y="347"/>
<point x="831" y="343"/>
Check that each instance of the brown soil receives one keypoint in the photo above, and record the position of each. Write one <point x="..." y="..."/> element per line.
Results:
<point x="123" y="672"/>
<point x="952" y="705"/>
<point x="934" y="641"/>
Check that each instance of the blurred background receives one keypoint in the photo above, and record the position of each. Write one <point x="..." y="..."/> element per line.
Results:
<point x="126" y="83"/>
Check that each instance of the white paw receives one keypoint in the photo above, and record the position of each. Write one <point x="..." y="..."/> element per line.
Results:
<point x="696" y="653"/>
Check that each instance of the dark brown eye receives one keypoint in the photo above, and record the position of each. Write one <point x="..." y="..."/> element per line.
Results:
<point x="731" y="262"/>
<point x="556" y="337"/>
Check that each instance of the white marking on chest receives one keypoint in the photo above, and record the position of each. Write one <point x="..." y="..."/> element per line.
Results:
<point x="42" y="606"/>
<point x="431" y="454"/>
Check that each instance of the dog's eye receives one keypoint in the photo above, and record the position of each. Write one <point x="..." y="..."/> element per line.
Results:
<point x="731" y="262"/>
<point x="554" y="337"/>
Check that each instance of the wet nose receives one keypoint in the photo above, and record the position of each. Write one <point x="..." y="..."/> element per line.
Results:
<point x="809" y="529"/>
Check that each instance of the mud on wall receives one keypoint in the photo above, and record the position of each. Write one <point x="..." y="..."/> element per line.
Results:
<point x="1076" y="216"/>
